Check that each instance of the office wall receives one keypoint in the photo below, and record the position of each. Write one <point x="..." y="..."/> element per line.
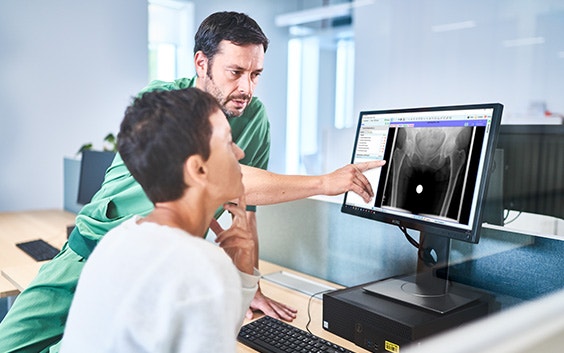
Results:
<point x="506" y="51"/>
<point x="68" y="70"/>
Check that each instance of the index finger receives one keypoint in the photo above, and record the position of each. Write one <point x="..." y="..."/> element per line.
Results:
<point x="364" y="166"/>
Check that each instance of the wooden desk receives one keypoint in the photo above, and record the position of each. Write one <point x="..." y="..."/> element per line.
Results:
<point x="7" y="288"/>
<point x="299" y="301"/>
<point x="16" y="227"/>
<point x="21" y="276"/>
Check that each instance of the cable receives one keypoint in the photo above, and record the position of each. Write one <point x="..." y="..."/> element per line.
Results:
<point x="408" y="237"/>
<point x="514" y="218"/>
<point x="309" y="305"/>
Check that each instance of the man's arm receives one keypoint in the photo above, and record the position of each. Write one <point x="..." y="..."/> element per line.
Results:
<point x="266" y="188"/>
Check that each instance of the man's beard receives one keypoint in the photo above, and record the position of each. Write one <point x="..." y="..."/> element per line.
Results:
<point x="232" y="113"/>
<point x="212" y="88"/>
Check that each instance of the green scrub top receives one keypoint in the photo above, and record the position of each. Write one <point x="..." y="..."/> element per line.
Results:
<point x="121" y="197"/>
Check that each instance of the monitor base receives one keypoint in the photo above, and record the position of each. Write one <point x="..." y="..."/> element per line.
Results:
<point x="406" y="290"/>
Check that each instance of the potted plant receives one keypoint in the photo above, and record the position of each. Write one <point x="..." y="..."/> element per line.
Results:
<point x="109" y="144"/>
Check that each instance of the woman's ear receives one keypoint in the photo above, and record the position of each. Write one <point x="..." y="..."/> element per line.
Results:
<point x="195" y="170"/>
<point x="201" y="64"/>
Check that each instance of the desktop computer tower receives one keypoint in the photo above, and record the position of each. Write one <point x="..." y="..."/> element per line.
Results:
<point x="380" y="324"/>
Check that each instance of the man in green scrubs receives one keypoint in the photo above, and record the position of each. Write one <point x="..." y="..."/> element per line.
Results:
<point x="229" y="55"/>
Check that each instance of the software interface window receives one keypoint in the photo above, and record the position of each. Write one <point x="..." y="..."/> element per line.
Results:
<point x="432" y="159"/>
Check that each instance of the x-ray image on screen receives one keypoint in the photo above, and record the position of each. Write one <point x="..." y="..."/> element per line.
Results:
<point x="436" y="171"/>
<point x="429" y="170"/>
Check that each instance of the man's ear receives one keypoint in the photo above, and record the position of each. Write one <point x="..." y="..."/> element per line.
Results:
<point x="195" y="170"/>
<point x="201" y="64"/>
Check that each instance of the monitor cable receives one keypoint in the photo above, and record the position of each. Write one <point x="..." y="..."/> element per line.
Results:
<point x="309" y="307"/>
<point x="409" y="237"/>
<point x="512" y="220"/>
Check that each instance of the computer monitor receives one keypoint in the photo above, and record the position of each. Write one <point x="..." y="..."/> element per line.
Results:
<point x="533" y="168"/>
<point x="434" y="181"/>
<point x="92" y="171"/>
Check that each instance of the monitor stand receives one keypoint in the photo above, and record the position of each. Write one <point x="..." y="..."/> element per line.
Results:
<point x="427" y="289"/>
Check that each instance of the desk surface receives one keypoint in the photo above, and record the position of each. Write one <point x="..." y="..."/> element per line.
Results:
<point x="7" y="288"/>
<point x="20" y="276"/>
<point x="18" y="269"/>
<point x="16" y="227"/>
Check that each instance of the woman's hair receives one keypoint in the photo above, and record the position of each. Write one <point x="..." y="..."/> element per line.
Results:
<point x="160" y="130"/>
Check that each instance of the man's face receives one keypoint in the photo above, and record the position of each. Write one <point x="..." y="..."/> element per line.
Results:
<point x="223" y="163"/>
<point x="232" y="75"/>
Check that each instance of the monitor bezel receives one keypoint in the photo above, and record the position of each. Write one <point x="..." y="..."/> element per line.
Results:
<point x="471" y="235"/>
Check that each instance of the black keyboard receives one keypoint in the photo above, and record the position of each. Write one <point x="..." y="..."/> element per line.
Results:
<point x="269" y="335"/>
<point x="39" y="249"/>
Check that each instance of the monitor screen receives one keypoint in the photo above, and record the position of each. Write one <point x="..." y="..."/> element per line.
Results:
<point x="92" y="171"/>
<point x="437" y="167"/>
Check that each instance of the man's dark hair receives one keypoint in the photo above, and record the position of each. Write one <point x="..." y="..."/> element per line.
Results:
<point x="160" y="130"/>
<point x="235" y="27"/>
